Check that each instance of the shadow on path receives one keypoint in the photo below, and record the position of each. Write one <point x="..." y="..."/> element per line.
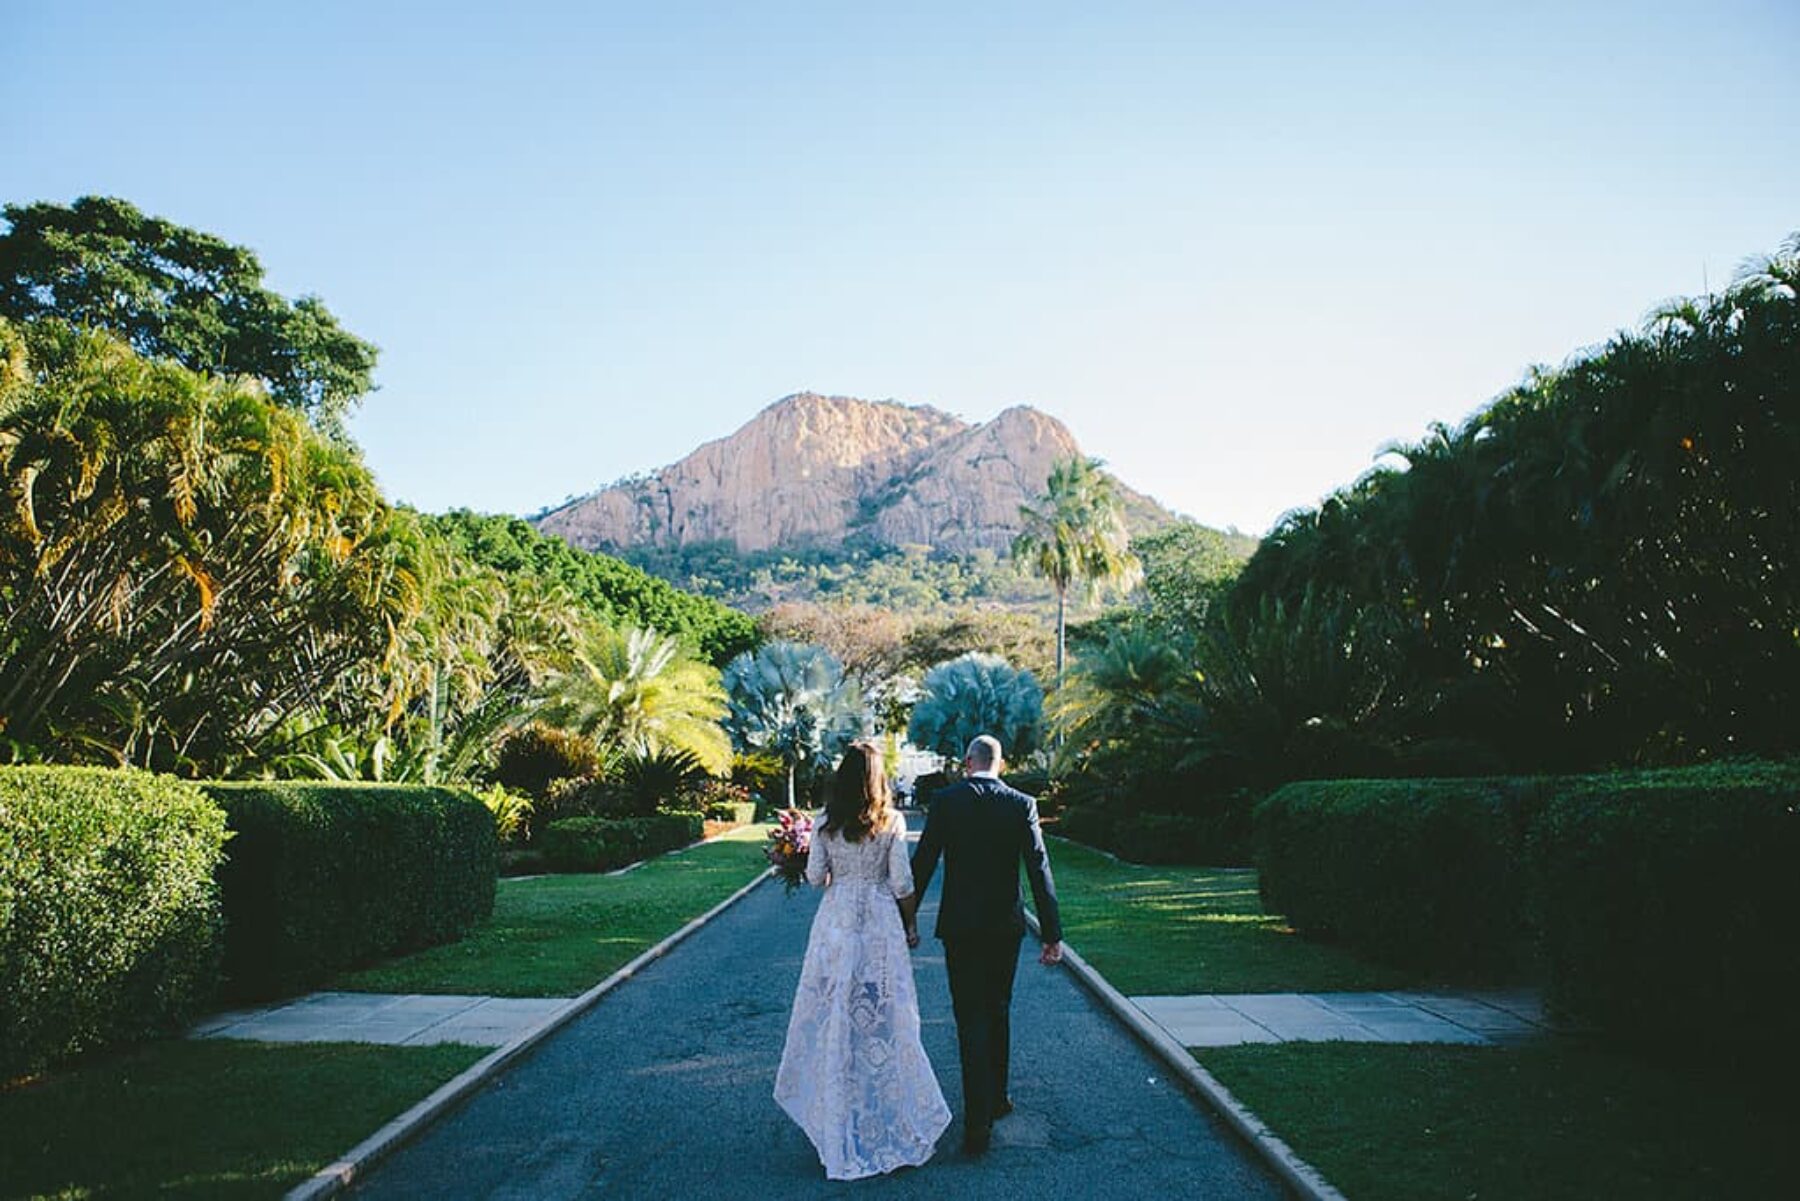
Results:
<point x="664" y="1089"/>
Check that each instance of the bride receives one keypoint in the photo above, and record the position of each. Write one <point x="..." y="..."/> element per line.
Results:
<point x="853" y="1073"/>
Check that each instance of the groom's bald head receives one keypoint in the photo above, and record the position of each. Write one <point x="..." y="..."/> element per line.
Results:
<point x="983" y="754"/>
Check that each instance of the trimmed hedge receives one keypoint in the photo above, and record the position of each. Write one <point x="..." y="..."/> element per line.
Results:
<point x="1669" y="902"/>
<point x="1219" y="838"/>
<point x="599" y="844"/>
<point x="1427" y="873"/>
<point x="109" y="916"/>
<point x="321" y="877"/>
<point x="740" y="812"/>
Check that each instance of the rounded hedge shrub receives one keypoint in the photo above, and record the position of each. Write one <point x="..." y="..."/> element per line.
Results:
<point x="599" y="844"/>
<point x="321" y="877"/>
<point x="109" y="916"/>
<point x="1427" y="873"/>
<point x="1669" y="899"/>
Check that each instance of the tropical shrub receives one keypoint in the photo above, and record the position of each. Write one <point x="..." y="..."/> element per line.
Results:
<point x="639" y="786"/>
<point x="512" y="813"/>
<point x="109" y="916"/>
<point x="1428" y="873"/>
<point x="536" y="755"/>
<point x="978" y="694"/>
<point x="599" y="844"/>
<point x="1667" y="901"/>
<point x="321" y="877"/>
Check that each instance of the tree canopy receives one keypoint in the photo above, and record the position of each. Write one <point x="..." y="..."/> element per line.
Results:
<point x="617" y="593"/>
<point x="177" y="293"/>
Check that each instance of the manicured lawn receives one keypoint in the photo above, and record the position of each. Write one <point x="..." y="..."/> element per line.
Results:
<point x="1180" y="930"/>
<point x="555" y="936"/>
<point x="207" y="1119"/>
<point x="1548" y="1121"/>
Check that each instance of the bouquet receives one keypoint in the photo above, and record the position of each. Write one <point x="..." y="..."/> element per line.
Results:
<point x="789" y="844"/>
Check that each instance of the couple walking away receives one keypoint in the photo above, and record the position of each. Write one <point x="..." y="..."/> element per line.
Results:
<point x="854" y="1073"/>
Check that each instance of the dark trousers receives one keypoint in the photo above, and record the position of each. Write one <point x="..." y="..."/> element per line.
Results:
<point x="981" y="973"/>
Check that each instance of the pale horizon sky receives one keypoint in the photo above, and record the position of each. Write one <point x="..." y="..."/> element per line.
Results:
<point x="1235" y="251"/>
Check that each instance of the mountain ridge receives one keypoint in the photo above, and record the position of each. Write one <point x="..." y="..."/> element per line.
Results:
<point x="818" y="471"/>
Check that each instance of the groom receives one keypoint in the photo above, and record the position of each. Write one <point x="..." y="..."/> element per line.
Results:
<point x="983" y="829"/>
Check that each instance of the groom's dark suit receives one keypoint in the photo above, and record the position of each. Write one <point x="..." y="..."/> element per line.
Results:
<point x="984" y="830"/>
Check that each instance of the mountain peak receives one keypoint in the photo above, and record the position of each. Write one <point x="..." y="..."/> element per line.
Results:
<point x="813" y="470"/>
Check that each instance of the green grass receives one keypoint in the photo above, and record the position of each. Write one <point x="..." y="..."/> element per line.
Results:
<point x="1547" y="1122"/>
<point x="1180" y="930"/>
<point x="207" y="1119"/>
<point x="556" y="936"/>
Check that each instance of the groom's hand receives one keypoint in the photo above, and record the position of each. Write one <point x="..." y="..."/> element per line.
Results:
<point x="912" y="937"/>
<point x="1051" y="955"/>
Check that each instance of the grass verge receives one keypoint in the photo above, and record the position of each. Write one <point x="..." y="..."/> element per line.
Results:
<point x="1162" y="931"/>
<point x="556" y="936"/>
<point x="1549" y="1122"/>
<point x="207" y="1119"/>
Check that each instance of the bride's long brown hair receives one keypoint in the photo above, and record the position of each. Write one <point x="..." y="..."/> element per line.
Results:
<point x="859" y="793"/>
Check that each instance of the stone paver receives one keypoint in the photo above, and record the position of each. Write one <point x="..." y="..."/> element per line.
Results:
<point x="664" y="1089"/>
<point x="1476" y="1018"/>
<point x="412" y="1020"/>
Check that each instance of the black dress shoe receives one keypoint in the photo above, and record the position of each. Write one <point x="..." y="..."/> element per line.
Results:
<point x="1002" y="1109"/>
<point x="975" y="1141"/>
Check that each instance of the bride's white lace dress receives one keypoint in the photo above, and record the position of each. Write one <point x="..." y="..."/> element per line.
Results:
<point x="853" y="1073"/>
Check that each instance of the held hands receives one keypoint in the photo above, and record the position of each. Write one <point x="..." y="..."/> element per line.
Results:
<point x="1051" y="955"/>
<point x="912" y="937"/>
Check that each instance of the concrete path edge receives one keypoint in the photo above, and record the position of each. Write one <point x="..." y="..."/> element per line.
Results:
<point x="338" y="1175"/>
<point x="1301" y="1177"/>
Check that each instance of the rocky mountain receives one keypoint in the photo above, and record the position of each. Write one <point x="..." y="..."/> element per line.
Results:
<point x="815" y="471"/>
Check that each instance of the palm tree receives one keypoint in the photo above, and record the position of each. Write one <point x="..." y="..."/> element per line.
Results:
<point x="1076" y="534"/>
<point x="792" y="700"/>
<point x="978" y="694"/>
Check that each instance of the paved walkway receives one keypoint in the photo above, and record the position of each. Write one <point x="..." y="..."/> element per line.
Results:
<point x="664" y="1089"/>
<point x="1473" y="1018"/>
<point x="408" y="1021"/>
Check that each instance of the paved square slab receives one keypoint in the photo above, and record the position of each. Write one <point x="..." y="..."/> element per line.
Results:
<point x="393" y="1020"/>
<point x="1224" y="1020"/>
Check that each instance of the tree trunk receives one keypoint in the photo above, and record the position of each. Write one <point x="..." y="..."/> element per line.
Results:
<point x="790" y="803"/>
<point x="1062" y="596"/>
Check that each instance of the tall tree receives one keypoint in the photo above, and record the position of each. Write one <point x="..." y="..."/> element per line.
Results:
<point x="184" y="565"/>
<point x="1076" y="534"/>
<point x="178" y="293"/>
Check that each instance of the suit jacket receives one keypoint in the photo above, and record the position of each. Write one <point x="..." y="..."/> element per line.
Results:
<point x="983" y="830"/>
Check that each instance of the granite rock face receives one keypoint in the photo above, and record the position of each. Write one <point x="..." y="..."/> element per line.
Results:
<point x="814" y="470"/>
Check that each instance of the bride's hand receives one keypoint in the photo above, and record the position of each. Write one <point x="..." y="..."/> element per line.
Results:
<point x="912" y="937"/>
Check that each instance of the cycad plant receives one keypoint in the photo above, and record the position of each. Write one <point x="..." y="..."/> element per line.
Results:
<point x="642" y="692"/>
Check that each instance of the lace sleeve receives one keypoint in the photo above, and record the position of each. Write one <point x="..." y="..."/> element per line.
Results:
<point x="899" y="867"/>
<point x="818" y="858"/>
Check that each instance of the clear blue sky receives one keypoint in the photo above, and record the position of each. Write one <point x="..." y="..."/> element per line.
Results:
<point x="1236" y="247"/>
